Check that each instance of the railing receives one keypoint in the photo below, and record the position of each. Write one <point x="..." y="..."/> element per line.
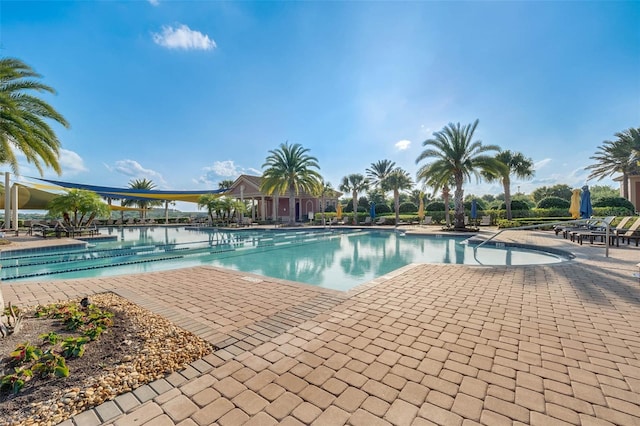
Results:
<point x="566" y="222"/>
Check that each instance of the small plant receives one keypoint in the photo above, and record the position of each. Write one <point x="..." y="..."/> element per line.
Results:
<point x="24" y="353"/>
<point x="73" y="347"/>
<point x="51" y="365"/>
<point x="93" y="331"/>
<point x="15" y="382"/>
<point x="52" y="337"/>
<point x="74" y="320"/>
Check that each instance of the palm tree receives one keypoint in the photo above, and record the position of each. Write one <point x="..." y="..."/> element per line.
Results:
<point x="376" y="173"/>
<point x="322" y="191"/>
<point x="517" y="164"/>
<point x="22" y="118"/>
<point x="212" y="203"/>
<point x="618" y="156"/>
<point x="397" y="180"/>
<point x="79" y="202"/>
<point x="354" y="183"/>
<point x="290" y="170"/>
<point x="453" y="149"/>
<point x="142" y="203"/>
<point x="438" y="179"/>
<point x="225" y="184"/>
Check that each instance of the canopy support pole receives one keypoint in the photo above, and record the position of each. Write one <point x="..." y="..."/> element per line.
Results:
<point x="7" y="201"/>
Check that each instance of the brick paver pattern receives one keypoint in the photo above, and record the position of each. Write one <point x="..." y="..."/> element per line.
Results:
<point x="434" y="344"/>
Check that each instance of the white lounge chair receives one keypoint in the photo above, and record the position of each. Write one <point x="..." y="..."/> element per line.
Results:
<point x="485" y="221"/>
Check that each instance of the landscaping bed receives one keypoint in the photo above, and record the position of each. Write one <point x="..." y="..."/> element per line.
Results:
<point x="138" y="347"/>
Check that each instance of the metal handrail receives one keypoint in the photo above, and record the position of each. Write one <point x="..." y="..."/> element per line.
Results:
<point x="566" y="222"/>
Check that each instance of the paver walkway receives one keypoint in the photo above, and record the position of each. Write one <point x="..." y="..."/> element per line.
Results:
<point x="429" y="344"/>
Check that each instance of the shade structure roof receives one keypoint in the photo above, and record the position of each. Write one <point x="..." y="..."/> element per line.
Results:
<point x="31" y="198"/>
<point x="136" y="194"/>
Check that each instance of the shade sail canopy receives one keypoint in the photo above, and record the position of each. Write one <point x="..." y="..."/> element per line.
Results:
<point x="31" y="198"/>
<point x="136" y="194"/>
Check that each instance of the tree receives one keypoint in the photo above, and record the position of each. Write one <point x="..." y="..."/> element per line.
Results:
<point x="560" y="190"/>
<point x="439" y="178"/>
<point x="225" y="184"/>
<point x="322" y="191"/>
<point x="454" y="152"/>
<point x="618" y="156"/>
<point x="354" y="183"/>
<point x="289" y="169"/>
<point x="81" y="204"/>
<point x="396" y="181"/>
<point x="212" y="203"/>
<point x="378" y="171"/>
<point x="516" y="164"/>
<point x="602" y="191"/>
<point x="142" y="203"/>
<point x="23" y="125"/>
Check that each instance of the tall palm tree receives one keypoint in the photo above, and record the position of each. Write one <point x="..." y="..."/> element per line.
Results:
<point x="354" y="183"/>
<point x="289" y="169"/>
<point x="379" y="170"/>
<point x="225" y="184"/>
<point x="397" y="180"/>
<point x="23" y="125"/>
<point x="440" y="179"/>
<point x="453" y="149"/>
<point x="516" y="164"/>
<point x="142" y="203"/>
<point x="322" y="191"/>
<point x="618" y="156"/>
<point x="212" y="203"/>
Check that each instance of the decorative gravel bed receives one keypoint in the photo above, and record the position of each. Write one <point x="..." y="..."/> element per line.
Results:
<point x="139" y="348"/>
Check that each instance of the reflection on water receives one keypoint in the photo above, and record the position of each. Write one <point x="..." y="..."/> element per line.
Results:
<point x="328" y="258"/>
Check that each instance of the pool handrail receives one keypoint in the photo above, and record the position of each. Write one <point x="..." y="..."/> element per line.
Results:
<point x="566" y="222"/>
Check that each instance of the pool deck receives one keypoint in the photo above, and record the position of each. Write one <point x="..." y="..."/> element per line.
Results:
<point x="428" y="344"/>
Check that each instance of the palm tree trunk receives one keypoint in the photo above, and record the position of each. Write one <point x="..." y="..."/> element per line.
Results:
<point x="324" y="223"/>
<point x="625" y="185"/>
<point x="445" y="196"/>
<point x="292" y="206"/>
<point x="458" y="197"/>
<point x="354" y="201"/>
<point x="396" y="204"/>
<point x="507" y="197"/>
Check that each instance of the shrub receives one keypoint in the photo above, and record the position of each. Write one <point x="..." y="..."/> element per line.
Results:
<point x="408" y="207"/>
<point x="382" y="208"/>
<point x="436" y="206"/>
<point x="614" y="202"/>
<point x="330" y="209"/>
<point x="553" y="203"/>
<point x="516" y="205"/>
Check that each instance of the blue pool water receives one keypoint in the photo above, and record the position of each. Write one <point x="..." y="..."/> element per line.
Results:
<point x="333" y="258"/>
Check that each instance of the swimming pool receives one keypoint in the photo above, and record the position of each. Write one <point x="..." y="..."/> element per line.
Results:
<point x="338" y="258"/>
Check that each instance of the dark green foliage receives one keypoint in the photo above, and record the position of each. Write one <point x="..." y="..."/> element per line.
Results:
<point x="383" y="208"/>
<point x="561" y="190"/>
<point x="330" y="209"/>
<point x="436" y="206"/>
<point x="516" y="205"/>
<point x="408" y="207"/>
<point x="553" y="203"/>
<point x="614" y="202"/>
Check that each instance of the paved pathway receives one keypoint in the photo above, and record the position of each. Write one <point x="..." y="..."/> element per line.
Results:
<point x="429" y="344"/>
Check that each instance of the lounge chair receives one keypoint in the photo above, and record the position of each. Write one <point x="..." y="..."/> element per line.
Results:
<point x="485" y="221"/>
<point x="631" y="233"/>
<point x="367" y="220"/>
<point x="428" y="220"/>
<point x="597" y="231"/>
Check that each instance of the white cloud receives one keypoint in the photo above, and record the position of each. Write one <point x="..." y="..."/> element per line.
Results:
<point x="183" y="37"/>
<point x="71" y="163"/>
<point x="154" y="2"/>
<point x="402" y="145"/>
<point x="133" y="169"/>
<point x="224" y="170"/>
<point x="542" y="163"/>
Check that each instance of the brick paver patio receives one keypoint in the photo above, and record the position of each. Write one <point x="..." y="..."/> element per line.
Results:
<point x="429" y="344"/>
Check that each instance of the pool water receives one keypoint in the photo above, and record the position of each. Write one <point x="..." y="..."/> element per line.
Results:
<point x="339" y="259"/>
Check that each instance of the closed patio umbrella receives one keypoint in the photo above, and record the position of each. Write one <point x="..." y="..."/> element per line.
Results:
<point x="372" y="211"/>
<point x="339" y="211"/>
<point x="421" y="208"/>
<point x="574" y="208"/>
<point x="474" y="209"/>
<point x="585" y="203"/>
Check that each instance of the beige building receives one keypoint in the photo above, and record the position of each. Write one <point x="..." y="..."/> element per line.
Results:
<point x="275" y="207"/>
<point x="634" y="189"/>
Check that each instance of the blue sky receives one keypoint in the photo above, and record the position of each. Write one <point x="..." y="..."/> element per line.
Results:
<point x="189" y="93"/>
